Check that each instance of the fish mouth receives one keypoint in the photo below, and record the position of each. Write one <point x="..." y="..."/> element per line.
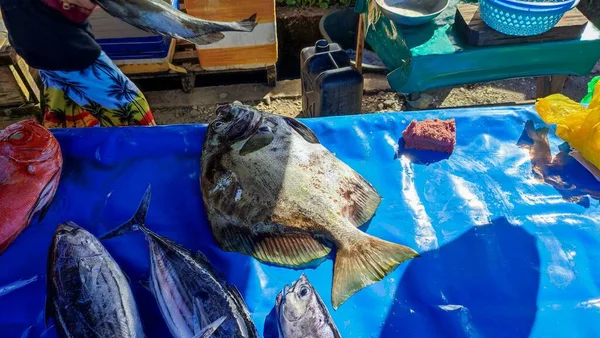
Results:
<point x="236" y="121"/>
<point x="67" y="228"/>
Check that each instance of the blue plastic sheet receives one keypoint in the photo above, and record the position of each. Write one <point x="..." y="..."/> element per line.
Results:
<point x="505" y="253"/>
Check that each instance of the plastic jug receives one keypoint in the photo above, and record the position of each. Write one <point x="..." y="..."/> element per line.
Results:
<point x="330" y="84"/>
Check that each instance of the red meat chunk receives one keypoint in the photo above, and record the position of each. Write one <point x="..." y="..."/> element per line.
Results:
<point x="436" y="135"/>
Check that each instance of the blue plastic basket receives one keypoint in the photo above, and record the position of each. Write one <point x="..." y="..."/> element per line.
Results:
<point x="524" y="18"/>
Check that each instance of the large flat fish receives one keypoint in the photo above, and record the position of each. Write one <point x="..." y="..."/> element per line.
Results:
<point x="302" y="313"/>
<point x="87" y="293"/>
<point x="191" y="294"/>
<point x="30" y="168"/>
<point x="159" y="17"/>
<point x="272" y="191"/>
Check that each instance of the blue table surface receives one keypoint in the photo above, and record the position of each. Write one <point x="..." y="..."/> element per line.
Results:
<point x="504" y="253"/>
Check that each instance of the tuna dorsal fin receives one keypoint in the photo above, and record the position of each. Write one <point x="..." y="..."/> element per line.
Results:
<point x="303" y="130"/>
<point x="282" y="249"/>
<point x="262" y="138"/>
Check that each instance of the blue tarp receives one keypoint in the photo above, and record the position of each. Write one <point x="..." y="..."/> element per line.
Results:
<point x="505" y="253"/>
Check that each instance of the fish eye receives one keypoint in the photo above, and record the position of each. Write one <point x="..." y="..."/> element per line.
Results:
<point x="16" y="136"/>
<point x="304" y="291"/>
<point x="218" y="124"/>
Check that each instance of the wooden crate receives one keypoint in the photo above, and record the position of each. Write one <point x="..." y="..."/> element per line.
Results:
<point x="478" y="33"/>
<point x="17" y="86"/>
<point x="189" y="60"/>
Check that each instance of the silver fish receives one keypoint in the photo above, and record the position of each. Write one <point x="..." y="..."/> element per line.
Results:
<point x="87" y="293"/>
<point x="301" y="313"/>
<point x="159" y="17"/>
<point x="272" y="191"/>
<point x="190" y="293"/>
<point x="6" y="289"/>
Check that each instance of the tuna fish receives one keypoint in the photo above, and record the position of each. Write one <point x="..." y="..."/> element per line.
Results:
<point x="272" y="191"/>
<point x="87" y="293"/>
<point x="301" y="313"/>
<point x="159" y="17"/>
<point x="190" y="293"/>
<point x="30" y="168"/>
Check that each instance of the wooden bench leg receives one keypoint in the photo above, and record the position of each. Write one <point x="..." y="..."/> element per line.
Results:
<point x="548" y="85"/>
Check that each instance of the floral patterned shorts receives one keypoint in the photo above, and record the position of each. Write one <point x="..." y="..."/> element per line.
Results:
<point x="100" y="95"/>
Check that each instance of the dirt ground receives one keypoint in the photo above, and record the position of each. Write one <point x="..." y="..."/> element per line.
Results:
<point x="493" y="93"/>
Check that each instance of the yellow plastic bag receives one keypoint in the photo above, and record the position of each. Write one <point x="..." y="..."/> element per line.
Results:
<point x="576" y="124"/>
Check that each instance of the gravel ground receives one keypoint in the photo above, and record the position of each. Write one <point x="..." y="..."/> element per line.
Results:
<point x="493" y="93"/>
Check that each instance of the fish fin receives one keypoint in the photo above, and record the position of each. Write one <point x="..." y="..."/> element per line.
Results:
<point x="364" y="261"/>
<point x="206" y="39"/>
<point x="360" y="199"/>
<point x="208" y="331"/>
<point x="249" y="24"/>
<point x="290" y="250"/>
<point x="145" y="283"/>
<point x="136" y="222"/>
<point x="257" y="142"/>
<point x="303" y="130"/>
<point x="42" y="205"/>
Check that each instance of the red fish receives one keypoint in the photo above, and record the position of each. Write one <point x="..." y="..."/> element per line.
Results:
<point x="30" y="168"/>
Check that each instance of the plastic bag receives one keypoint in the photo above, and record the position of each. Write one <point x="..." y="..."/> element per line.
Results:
<point x="590" y="93"/>
<point x="576" y="124"/>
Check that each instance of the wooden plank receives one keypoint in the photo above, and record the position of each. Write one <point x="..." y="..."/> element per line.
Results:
<point x="10" y="93"/>
<point x="187" y="55"/>
<point x="231" y="10"/>
<point x="478" y="33"/>
<point x="223" y="58"/>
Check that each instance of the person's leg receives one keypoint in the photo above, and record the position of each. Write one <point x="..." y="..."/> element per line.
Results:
<point x="101" y="91"/>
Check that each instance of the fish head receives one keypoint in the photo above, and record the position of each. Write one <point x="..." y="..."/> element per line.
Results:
<point x="234" y="122"/>
<point x="73" y="240"/>
<point x="296" y="302"/>
<point x="28" y="142"/>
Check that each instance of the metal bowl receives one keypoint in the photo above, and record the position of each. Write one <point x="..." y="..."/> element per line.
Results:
<point x="412" y="12"/>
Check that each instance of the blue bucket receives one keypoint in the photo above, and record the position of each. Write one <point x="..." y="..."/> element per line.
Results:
<point x="524" y="18"/>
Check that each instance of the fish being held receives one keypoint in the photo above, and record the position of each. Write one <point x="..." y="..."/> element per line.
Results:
<point x="30" y="168"/>
<point x="301" y="313"/>
<point x="190" y="293"/>
<point x="159" y="17"/>
<point x="87" y="293"/>
<point x="272" y="191"/>
<point x="6" y="289"/>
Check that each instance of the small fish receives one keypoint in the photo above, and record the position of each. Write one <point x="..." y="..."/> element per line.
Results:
<point x="6" y="289"/>
<point x="272" y="191"/>
<point x="87" y="293"/>
<point x="159" y="17"/>
<point x="30" y="168"/>
<point x="190" y="293"/>
<point x="301" y="313"/>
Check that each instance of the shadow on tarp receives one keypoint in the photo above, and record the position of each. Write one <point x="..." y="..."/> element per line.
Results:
<point x="483" y="284"/>
<point x="423" y="157"/>
<point x="563" y="172"/>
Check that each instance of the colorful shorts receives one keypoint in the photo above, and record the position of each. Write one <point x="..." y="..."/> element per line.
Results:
<point x="100" y="95"/>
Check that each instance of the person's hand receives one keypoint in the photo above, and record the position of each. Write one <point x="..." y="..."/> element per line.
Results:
<point x="87" y="4"/>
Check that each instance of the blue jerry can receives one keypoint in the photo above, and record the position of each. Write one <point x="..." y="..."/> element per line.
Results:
<point x="330" y="84"/>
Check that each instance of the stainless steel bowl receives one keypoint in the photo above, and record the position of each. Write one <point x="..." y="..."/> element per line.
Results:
<point x="412" y="12"/>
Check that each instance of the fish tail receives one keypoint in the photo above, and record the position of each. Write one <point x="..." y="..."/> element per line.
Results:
<point x="364" y="261"/>
<point x="249" y="24"/>
<point x="137" y="222"/>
